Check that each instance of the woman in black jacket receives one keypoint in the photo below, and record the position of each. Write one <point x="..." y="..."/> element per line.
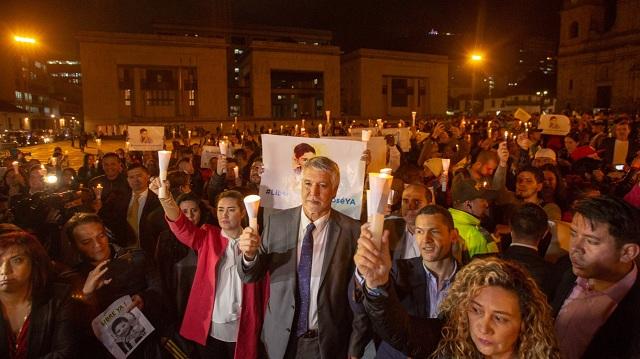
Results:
<point x="36" y="320"/>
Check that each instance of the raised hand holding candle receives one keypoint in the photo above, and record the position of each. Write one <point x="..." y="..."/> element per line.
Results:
<point x="445" y="173"/>
<point x="163" y="165"/>
<point x="252" y="204"/>
<point x="98" y="191"/>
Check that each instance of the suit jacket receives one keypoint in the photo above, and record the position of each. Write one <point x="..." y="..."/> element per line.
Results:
<point x="410" y="283"/>
<point x="52" y="332"/>
<point x="619" y="336"/>
<point x="397" y="235"/>
<point x="609" y="145"/>
<point x="114" y="214"/>
<point x="542" y="271"/>
<point x="278" y="257"/>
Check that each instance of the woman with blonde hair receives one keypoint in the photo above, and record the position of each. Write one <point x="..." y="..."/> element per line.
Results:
<point x="494" y="309"/>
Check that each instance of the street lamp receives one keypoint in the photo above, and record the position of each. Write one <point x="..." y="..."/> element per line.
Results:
<point x="475" y="60"/>
<point x="24" y="39"/>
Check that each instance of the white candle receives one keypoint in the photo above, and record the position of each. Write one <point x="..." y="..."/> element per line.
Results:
<point x="270" y="130"/>
<point x="189" y="132"/>
<point x="163" y="165"/>
<point x="281" y="129"/>
<point x="413" y="118"/>
<point x="506" y="136"/>
<point x="235" y="171"/>
<point x="320" y="130"/>
<point x="295" y="132"/>
<point x="99" y="143"/>
<point x="15" y="165"/>
<point x="252" y="204"/>
<point x="328" y="113"/>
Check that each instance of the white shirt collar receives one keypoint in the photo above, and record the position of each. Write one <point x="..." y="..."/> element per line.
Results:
<point x="320" y="222"/>
<point x="524" y="245"/>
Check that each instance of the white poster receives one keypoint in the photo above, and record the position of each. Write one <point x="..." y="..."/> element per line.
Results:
<point x="283" y="157"/>
<point x="402" y="135"/>
<point x="146" y="138"/>
<point x="207" y="153"/>
<point x="554" y="125"/>
<point x="119" y="330"/>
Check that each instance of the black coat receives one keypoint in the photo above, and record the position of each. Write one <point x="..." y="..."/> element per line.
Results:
<point x="542" y="271"/>
<point x="52" y="331"/>
<point x="619" y="336"/>
<point x="608" y="145"/>
<point x="411" y="286"/>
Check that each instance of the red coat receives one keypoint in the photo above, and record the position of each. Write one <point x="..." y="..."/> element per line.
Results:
<point x="209" y="245"/>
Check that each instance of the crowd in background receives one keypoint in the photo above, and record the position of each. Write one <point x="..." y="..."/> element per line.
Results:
<point x="525" y="247"/>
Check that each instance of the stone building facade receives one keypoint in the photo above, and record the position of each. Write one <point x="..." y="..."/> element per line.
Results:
<point x="599" y="55"/>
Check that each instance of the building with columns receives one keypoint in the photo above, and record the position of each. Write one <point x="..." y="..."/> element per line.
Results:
<point x="201" y="76"/>
<point x="599" y="55"/>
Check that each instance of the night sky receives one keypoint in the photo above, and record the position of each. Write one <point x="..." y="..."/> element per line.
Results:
<point x="397" y="24"/>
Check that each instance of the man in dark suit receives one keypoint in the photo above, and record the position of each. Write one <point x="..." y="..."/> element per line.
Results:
<point x="307" y="252"/>
<point x="596" y="304"/>
<point x="529" y="225"/>
<point x="114" y="181"/>
<point x="126" y="215"/>
<point x="421" y="282"/>
<point x="621" y="149"/>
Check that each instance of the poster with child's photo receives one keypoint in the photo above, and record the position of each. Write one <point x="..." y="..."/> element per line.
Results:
<point x="119" y="330"/>
<point x="146" y="138"/>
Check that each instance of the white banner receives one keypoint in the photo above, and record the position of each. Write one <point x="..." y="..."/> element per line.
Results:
<point x="146" y="138"/>
<point x="207" y="153"/>
<point x="280" y="185"/>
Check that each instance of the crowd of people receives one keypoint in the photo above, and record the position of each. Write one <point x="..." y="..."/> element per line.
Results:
<point x="521" y="244"/>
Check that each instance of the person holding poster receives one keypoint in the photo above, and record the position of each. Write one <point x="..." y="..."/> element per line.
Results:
<point x="222" y="315"/>
<point x="307" y="252"/>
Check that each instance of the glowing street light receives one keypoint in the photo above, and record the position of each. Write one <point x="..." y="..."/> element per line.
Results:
<point x="476" y="57"/>
<point x="24" y="39"/>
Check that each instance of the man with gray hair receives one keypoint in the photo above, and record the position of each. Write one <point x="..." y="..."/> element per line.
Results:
<point x="307" y="252"/>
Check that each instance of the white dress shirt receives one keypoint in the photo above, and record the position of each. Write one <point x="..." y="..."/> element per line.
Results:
<point x="228" y="296"/>
<point x="410" y="249"/>
<point x="319" y="245"/>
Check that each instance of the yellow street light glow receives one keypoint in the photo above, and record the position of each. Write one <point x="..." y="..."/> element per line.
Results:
<point x="28" y="40"/>
<point x="476" y="57"/>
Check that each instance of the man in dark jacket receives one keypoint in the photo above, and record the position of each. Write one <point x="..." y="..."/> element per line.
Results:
<point x="420" y="283"/>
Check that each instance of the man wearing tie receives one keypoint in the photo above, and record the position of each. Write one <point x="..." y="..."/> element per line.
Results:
<point x="307" y="251"/>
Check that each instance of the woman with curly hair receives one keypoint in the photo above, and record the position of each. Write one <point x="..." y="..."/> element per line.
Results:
<point x="493" y="309"/>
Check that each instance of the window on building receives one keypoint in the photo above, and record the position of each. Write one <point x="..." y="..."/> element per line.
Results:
<point x="574" y="30"/>
<point x="18" y="95"/>
<point x="192" y="97"/>
<point x="127" y="97"/>
<point x="399" y="93"/>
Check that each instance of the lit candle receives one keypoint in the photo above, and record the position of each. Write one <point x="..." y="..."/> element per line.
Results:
<point x="506" y="136"/>
<point x="328" y="113"/>
<point x="369" y="122"/>
<point x="295" y="132"/>
<point x="127" y="145"/>
<point x="484" y="184"/>
<point x="15" y="165"/>
<point x="281" y="128"/>
<point x="173" y="132"/>
<point x="413" y="118"/>
<point x="99" y="143"/>
<point x="235" y="171"/>
<point x="302" y="123"/>
<point x="320" y="130"/>
<point x="189" y="132"/>
<point x="98" y="191"/>
<point x="270" y="131"/>
<point x="462" y="124"/>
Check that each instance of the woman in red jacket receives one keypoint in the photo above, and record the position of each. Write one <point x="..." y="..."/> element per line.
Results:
<point x="223" y="315"/>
